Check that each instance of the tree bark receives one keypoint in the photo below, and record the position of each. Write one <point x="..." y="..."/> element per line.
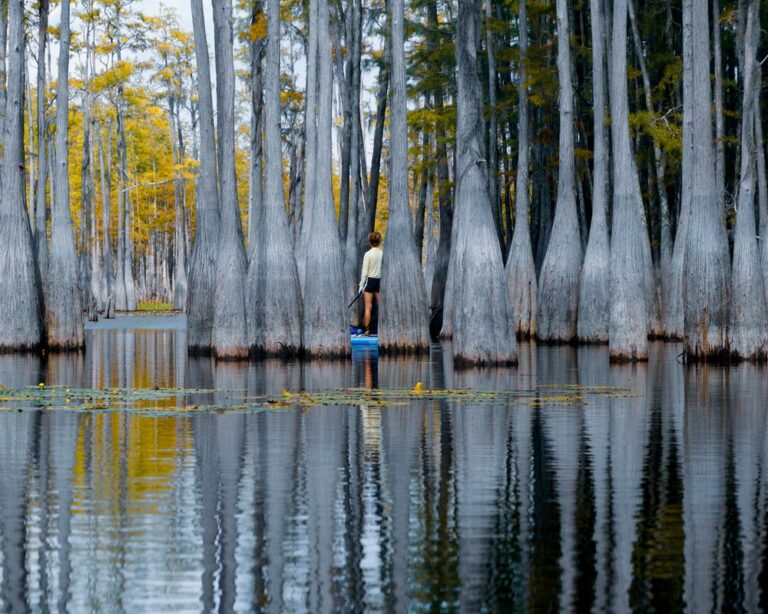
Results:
<point x="202" y="266"/>
<point x="3" y="52"/>
<point x="351" y="263"/>
<point x="403" y="320"/>
<point x="21" y="322"/>
<point x="310" y="142"/>
<point x="325" y="317"/>
<point x="522" y="286"/>
<point x="706" y="271"/>
<point x="107" y="275"/>
<point x="493" y="131"/>
<point x="719" y="123"/>
<point x="674" y="309"/>
<point x="594" y="295"/>
<point x="659" y="166"/>
<point x="762" y="184"/>
<point x="445" y="207"/>
<point x="63" y="305"/>
<point x="273" y="290"/>
<point x="229" y="336"/>
<point x="748" y="329"/>
<point x="256" y="194"/>
<point x="558" y="301"/>
<point x="41" y="225"/>
<point x="628" y="325"/>
<point x="479" y="314"/>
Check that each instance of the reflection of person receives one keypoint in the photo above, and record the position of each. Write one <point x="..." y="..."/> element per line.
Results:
<point x="370" y="278"/>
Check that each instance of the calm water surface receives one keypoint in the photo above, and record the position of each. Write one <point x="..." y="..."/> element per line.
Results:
<point x="657" y="499"/>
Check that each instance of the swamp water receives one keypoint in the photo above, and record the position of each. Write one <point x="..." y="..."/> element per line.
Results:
<point x="138" y="479"/>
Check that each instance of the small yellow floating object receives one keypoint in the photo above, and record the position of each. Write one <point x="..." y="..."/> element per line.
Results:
<point x="67" y="391"/>
<point x="419" y="387"/>
<point x="41" y="385"/>
<point x="66" y="400"/>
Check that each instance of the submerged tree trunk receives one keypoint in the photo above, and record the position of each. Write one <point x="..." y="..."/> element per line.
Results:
<point x="41" y="222"/>
<point x="594" y="290"/>
<point x="749" y="312"/>
<point x="325" y="317"/>
<point x="202" y="265"/>
<point x="229" y="337"/>
<point x="628" y="325"/>
<point x="21" y="322"/>
<point x="274" y="293"/>
<point x="522" y="286"/>
<point x="404" y="313"/>
<point x="706" y="271"/>
<point x="479" y="313"/>
<point x="559" y="280"/>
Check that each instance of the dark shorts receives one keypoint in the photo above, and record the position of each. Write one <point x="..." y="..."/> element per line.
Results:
<point x="372" y="285"/>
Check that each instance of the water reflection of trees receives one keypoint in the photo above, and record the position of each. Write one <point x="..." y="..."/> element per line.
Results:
<point x="656" y="501"/>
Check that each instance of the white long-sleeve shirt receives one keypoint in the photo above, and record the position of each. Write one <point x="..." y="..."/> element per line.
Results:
<point x="371" y="265"/>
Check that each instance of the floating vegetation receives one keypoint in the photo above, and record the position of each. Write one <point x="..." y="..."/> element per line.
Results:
<point x="183" y="400"/>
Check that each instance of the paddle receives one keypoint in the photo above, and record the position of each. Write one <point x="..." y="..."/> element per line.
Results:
<point x="354" y="300"/>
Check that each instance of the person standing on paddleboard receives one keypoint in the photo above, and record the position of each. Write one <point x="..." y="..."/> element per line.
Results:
<point x="370" y="278"/>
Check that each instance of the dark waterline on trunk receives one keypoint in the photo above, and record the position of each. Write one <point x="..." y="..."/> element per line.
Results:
<point x="647" y="494"/>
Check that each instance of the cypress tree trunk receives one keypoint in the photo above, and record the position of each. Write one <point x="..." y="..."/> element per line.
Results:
<point x="445" y="207"/>
<point x="41" y="225"/>
<point x="404" y="314"/>
<point x="719" y="123"/>
<point x="325" y="318"/>
<point x="274" y="293"/>
<point x="21" y="322"/>
<point x="202" y="265"/>
<point x="665" y="248"/>
<point x="594" y="313"/>
<point x="256" y="194"/>
<point x="559" y="279"/>
<point x="706" y="270"/>
<point x="107" y="280"/>
<point x="480" y="316"/>
<point x="749" y="313"/>
<point x="180" y="282"/>
<point x="368" y="216"/>
<point x="351" y="262"/>
<point x="674" y="308"/>
<point x="124" y="196"/>
<point x="229" y="336"/>
<point x="762" y="184"/>
<point x="63" y="305"/>
<point x="3" y="75"/>
<point x="522" y="286"/>
<point x="628" y="325"/>
<point x="310" y="142"/>
<point x="493" y="131"/>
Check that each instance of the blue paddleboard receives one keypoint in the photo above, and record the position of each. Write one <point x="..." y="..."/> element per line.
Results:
<point x="361" y="341"/>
